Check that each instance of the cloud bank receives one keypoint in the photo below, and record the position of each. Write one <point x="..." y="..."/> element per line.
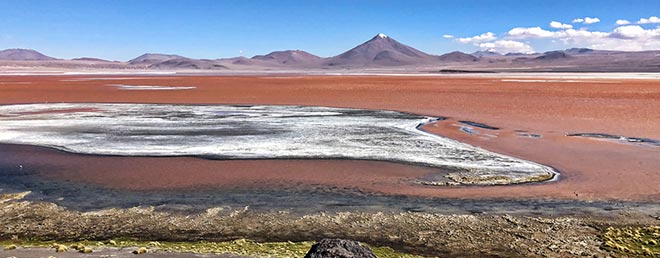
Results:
<point x="488" y="36"/>
<point x="625" y="36"/>
<point x="652" y="19"/>
<point x="586" y="20"/>
<point x="622" y="22"/>
<point x="559" y="25"/>
<point x="507" y="46"/>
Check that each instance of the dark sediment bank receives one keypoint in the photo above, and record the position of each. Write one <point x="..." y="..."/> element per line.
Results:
<point x="480" y="125"/>
<point x="618" y="138"/>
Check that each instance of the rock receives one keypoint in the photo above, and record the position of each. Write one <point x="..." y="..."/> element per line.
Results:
<point x="77" y="246"/>
<point x="10" y="247"/>
<point x="60" y="248"/>
<point x="339" y="248"/>
<point x="85" y="250"/>
<point x="141" y="250"/>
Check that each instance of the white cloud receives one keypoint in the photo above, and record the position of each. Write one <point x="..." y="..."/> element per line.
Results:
<point x="589" y="20"/>
<point x="628" y="32"/>
<point x="447" y="36"/>
<point x="586" y="20"/>
<point x="488" y="36"/>
<point x="507" y="46"/>
<point x="652" y="19"/>
<point x="622" y="22"/>
<point x="559" y="25"/>
<point x="628" y="38"/>
<point x="534" y="32"/>
<point x="631" y="37"/>
<point x="634" y="32"/>
<point x="573" y="33"/>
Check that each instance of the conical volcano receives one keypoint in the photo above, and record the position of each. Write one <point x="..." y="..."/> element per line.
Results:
<point x="381" y="50"/>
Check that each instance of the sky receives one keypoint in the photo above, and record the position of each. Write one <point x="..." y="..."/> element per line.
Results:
<point x="124" y="29"/>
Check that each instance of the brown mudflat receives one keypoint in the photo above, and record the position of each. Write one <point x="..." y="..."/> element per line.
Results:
<point x="591" y="169"/>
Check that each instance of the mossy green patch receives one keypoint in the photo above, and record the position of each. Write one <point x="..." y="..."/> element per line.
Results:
<point x="239" y="247"/>
<point x="636" y="241"/>
<point x="387" y="252"/>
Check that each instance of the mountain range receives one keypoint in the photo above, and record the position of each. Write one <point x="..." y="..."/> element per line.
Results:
<point x="380" y="52"/>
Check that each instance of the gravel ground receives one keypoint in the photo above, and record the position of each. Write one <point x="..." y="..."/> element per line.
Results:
<point x="103" y="253"/>
<point x="418" y="233"/>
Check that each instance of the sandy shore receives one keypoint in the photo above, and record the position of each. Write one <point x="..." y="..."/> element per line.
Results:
<point x="591" y="169"/>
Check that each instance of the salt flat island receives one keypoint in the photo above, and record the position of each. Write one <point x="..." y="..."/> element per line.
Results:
<point x="261" y="132"/>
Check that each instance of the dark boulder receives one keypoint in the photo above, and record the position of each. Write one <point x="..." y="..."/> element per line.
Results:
<point x="339" y="248"/>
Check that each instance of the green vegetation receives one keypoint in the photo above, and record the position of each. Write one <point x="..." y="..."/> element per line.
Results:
<point x="637" y="241"/>
<point x="239" y="247"/>
<point x="26" y="223"/>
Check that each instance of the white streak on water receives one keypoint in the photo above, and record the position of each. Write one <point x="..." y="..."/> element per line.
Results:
<point x="548" y="80"/>
<point x="150" y="87"/>
<point x="252" y="132"/>
<point x="84" y="79"/>
<point x="15" y="83"/>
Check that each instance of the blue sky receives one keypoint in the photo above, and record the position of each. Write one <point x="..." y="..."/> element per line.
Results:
<point x="121" y="30"/>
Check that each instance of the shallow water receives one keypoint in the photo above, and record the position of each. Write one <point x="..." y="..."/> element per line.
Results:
<point x="302" y="199"/>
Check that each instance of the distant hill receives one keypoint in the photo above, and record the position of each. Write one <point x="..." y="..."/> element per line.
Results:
<point x="380" y="50"/>
<point x="485" y="53"/>
<point x="574" y="51"/>
<point x="289" y="57"/>
<point x="23" y="55"/>
<point x="90" y="59"/>
<point x="242" y="61"/>
<point x="188" y="63"/>
<point x="519" y="54"/>
<point x="152" y="58"/>
<point x="457" y="56"/>
<point x="553" y="55"/>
